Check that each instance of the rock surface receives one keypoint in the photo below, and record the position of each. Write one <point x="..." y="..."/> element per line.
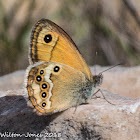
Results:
<point x="96" y="120"/>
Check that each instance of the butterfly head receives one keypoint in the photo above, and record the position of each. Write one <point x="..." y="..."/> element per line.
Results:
<point x="97" y="79"/>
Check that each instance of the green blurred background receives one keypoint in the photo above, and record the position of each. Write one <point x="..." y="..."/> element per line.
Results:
<point x="110" y="27"/>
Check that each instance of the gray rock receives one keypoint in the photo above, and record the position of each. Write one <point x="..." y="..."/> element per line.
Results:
<point x="96" y="120"/>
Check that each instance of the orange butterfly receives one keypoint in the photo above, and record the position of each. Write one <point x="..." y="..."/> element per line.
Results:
<point x="58" y="77"/>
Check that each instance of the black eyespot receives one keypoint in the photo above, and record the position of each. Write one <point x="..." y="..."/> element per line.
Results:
<point x="38" y="78"/>
<point x="56" y="69"/>
<point x="44" y="94"/>
<point x="48" y="38"/>
<point x="43" y="104"/>
<point x="44" y="86"/>
<point x="42" y="71"/>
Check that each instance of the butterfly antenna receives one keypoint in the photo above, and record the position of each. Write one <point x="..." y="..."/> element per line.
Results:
<point x="110" y="68"/>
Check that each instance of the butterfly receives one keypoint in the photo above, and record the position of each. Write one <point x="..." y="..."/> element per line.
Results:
<point x="58" y="77"/>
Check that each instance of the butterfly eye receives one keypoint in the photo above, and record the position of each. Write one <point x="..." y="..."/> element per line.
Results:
<point x="42" y="71"/>
<point x="38" y="78"/>
<point x="56" y="69"/>
<point x="48" y="38"/>
<point x="43" y="104"/>
<point x="44" y="86"/>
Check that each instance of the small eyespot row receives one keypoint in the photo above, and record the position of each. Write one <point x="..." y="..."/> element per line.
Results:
<point x="43" y="86"/>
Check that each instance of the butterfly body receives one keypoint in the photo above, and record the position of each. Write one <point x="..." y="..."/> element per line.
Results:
<point x="58" y="78"/>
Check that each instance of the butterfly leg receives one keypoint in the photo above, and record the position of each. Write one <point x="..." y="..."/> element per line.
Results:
<point x="76" y="105"/>
<point x="99" y="90"/>
<point x="105" y="98"/>
<point x="94" y="96"/>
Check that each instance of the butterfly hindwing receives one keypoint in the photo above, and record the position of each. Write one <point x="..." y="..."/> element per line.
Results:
<point x="53" y="87"/>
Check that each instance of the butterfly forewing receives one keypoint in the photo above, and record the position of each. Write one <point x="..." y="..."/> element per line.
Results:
<point x="51" y="43"/>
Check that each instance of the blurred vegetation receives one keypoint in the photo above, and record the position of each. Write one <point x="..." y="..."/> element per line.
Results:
<point x="112" y="28"/>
